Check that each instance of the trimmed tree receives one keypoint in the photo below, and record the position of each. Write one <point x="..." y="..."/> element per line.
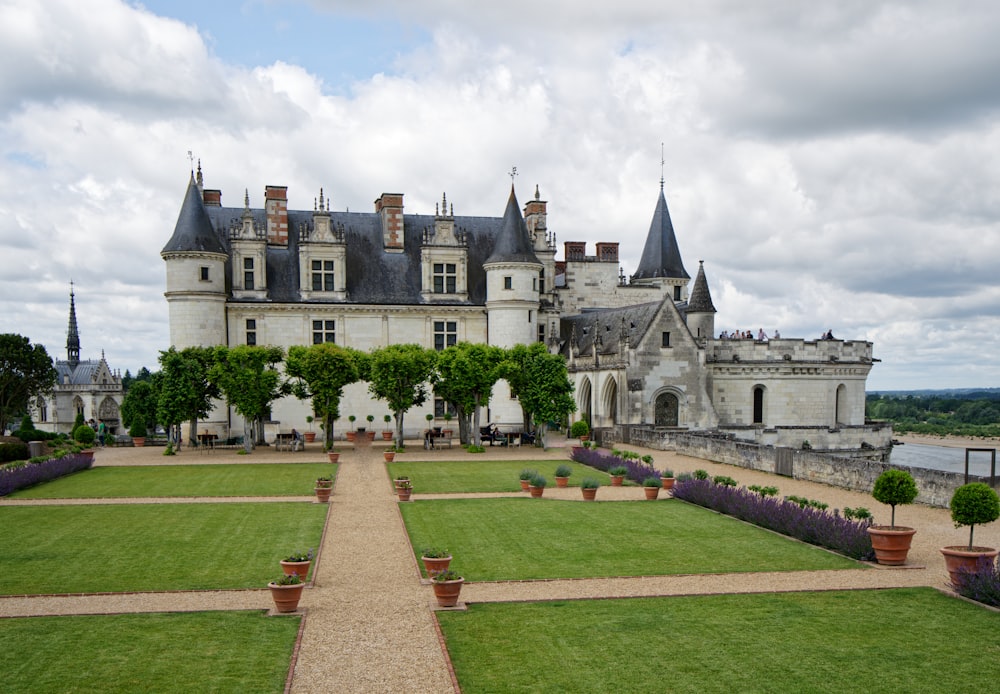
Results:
<point x="139" y="407"/>
<point x="25" y="371"/>
<point x="894" y="487"/>
<point x="186" y="393"/>
<point x="320" y="372"/>
<point x="466" y="374"/>
<point x="547" y="393"/>
<point x="399" y="375"/>
<point x="247" y="376"/>
<point x="974" y="504"/>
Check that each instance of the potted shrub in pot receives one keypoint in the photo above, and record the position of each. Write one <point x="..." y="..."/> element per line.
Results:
<point x="404" y="488"/>
<point x="297" y="563"/>
<point x="138" y="433"/>
<point x="435" y="560"/>
<point x="562" y="475"/>
<point x="618" y="473"/>
<point x="536" y="485"/>
<point x="667" y="479"/>
<point x="972" y="504"/>
<point x="892" y="542"/>
<point x="309" y="435"/>
<point x="323" y="488"/>
<point x="580" y="430"/>
<point x="525" y="478"/>
<point x="387" y="432"/>
<point x="651" y="486"/>
<point x="447" y="586"/>
<point x="447" y="431"/>
<point x="369" y="431"/>
<point x="352" y="435"/>
<point x="588" y="487"/>
<point x="286" y="592"/>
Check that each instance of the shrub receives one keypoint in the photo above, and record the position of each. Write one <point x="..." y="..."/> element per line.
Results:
<point x="169" y="450"/>
<point x="667" y="473"/>
<point x="538" y="481"/>
<point x="579" y="428"/>
<point x="894" y="487"/>
<point x="84" y="434"/>
<point x="652" y="482"/>
<point x="618" y="471"/>
<point x="472" y="448"/>
<point x="809" y="524"/>
<point x="589" y="483"/>
<point x="13" y="451"/>
<point x="700" y="474"/>
<point x="859" y="513"/>
<point x="724" y="480"/>
<point x="527" y="474"/>
<point x="983" y="584"/>
<point x="974" y="504"/>
<point x="564" y="471"/>
<point x="137" y="430"/>
<point x="648" y="459"/>
<point x="763" y="491"/>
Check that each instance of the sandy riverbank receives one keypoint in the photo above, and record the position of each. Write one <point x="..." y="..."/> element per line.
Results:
<point x="950" y="441"/>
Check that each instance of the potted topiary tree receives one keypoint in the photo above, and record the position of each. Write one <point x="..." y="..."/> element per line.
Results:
<point x="562" y="475"/>
<point x="387" y="432"/>
<point x="352" y="435"/>
<point x="972" y="504"/>
<point x="891" y="542"/>
<point x="369" y="431"/>
<point x="310" y="435"/>
<point x="138" y="433"/>
<point x="667" y="479"/>
<point x="580" y="430"/>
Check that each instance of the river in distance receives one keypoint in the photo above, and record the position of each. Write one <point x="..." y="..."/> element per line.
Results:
<point x="946" y="458"/>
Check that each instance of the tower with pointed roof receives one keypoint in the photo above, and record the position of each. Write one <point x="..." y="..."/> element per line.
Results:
<point x="72" y="333"/>
<point x="661" y="263"/>
<point x="700" y="309"/>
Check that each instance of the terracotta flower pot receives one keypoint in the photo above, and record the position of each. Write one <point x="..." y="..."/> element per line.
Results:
<point x="960" y="560"/>
<point x="351" y="436"/>
<point x="301" y="568"/>
<point x="334" y="457"/>
<point x="651" y="492"/>
<point x="404" y="494"/>
<point x="389" y="456"/>
<point x="323" y="494"/>
<point x="399" y="480"/>
<point x="562" y="481"/>
<point x="435" y="565"/>
<point x="387" y="436"/>
<point x="524" y="485"/>
<point x="617" y="480"/>
<point x="310" y="436"/>
<point x="447" y="592"/>
<point x="536" y="492"/>
<point x="138" y="441"/>
<point x="286" y="598"/>
<point x="891" y="544"/>
<point x="370" y="435"/>
<point x="667" y="482"/>
<point x="589" y="494"/>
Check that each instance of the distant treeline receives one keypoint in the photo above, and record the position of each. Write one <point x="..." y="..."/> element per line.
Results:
<point x="967" y="413"/>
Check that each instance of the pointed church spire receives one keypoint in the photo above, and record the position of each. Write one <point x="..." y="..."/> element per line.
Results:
<point x="701" y="299"/>
<point x="661" y="257"/>
<point x="73" y="334"/>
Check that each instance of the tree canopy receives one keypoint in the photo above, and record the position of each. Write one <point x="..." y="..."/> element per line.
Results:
<point x="140" y="405"/>
<point x="545" y="391"/>
<point x="248" y="377"/>
<point x="466" y="374"/>
<point x="399" y="374"/>
<point x="25" y="371"/>
<point x="320" y="372"/>
<point x="185" y="389"/>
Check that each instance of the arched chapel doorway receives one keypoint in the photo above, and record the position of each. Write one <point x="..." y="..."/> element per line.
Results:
<point x="666" y="410"/>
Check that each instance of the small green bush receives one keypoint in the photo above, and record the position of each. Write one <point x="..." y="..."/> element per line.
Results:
<point x="13" y="451"/>
<point x="589" y="483"/>
<point x="564" y="471"/>
<point x="763" y="491"/>
<point x="538" y="481"/>
<point x="859" y="513"/>
<point x="84" y="434"/>
<point x="618" y="471"/>
<point x="652" y="482"/>
<point x="724" y="480"/>
<point x="579" y="428"/>
<point x="701" y="474"/>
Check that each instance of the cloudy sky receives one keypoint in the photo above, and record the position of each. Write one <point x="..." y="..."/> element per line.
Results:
<point x="834" y="164"/>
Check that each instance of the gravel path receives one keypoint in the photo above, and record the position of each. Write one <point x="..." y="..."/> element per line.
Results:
<point x="370" y="623"/>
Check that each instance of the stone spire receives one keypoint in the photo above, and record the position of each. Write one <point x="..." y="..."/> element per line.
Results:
<point x="73" y="334"/>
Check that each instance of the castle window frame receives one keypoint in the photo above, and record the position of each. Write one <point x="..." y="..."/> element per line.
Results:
<point x="445" y="334"/>
<point x="508" y="282"/>
<point x="541" y="281"/>
<point x="541" y="332"/>
<point x="324" y="330"/>
<point x="203" y="270"/>
<point x="445" y="278"/>
<point x="323" y="276"/>
<point x="248" y="273"/>
<point x="677" y="293"/>
<point x="665" y="339"/>
<point x="251" y="330"/>
<point x="441" y="406"/>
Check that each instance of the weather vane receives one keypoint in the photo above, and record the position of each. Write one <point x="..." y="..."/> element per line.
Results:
<point x="663" y="162"/>
<point x="191" y="160"/>
<point x="513" y="172"/>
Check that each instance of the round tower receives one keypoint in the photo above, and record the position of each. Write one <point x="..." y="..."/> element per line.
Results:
<point x="700" y="309"/>
<point x="196" y="277"/>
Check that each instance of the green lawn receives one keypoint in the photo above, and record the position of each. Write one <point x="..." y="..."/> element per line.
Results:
<point x="904" y="640"/>
<point x="511" y="539"/>
<point x="164" y="653"/>
<point x="284" y="479"/>
<point x="452" y="477"/>
<point x="70" y="549"/>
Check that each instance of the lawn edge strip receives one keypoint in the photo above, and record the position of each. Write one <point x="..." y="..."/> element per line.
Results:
<point x="295" y="654"/>
<point x="443" y="644"/>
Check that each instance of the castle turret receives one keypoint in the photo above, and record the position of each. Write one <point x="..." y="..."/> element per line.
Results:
<point x="196" y="277"/>
<point x="661" y="262"/>
<point x="700" y="309"/>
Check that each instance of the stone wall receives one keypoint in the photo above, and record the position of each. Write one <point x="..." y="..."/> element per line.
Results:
<point x="858" y="474"/>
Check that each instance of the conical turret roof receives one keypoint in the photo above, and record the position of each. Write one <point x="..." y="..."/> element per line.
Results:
<point x="194" y="231"/>
<point x="513" y="243"/>
<point x="661" y="257"/>
<point x="700" y="300"/>
<point x="72" y="333"/>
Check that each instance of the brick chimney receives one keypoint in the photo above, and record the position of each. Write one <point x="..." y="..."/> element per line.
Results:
<point x="276" y="208"/>
<point x="607" y="252"/>
<point x="575" y="250"/>
<point x="212" y="197"/>
<point x="534" y="214"/>
<point x="389" y="208"/>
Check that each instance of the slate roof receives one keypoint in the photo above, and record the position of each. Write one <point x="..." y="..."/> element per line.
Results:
<point x="608" y="323"/>
<point x="700" y="300"/>
<point x="193" y="231"/>
<point x="82" y="375"/>
<point x="660" y="256"/>
<point x="513" y="245"/>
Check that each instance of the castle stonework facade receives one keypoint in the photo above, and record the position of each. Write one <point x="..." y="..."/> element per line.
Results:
<point x="641" y="350"/>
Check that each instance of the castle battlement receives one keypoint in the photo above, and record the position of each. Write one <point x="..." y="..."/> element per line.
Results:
<point x="795" y="350"/>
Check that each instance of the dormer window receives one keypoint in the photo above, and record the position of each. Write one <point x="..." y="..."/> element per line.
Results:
<point x="248" y="273"/>
<point x="445" y="278"/>
<point x="322" y="276"/>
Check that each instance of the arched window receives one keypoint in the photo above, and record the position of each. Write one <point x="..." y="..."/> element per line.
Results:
<point x="43" y="410"/>
<point x="583" y="402"/>
<point x="667" y="410"/>
<point x="611" y="401"/>
<point x="758" y="404"/>
<point x="840" y="406"/>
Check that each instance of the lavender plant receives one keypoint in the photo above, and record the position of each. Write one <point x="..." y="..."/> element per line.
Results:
<point x="636" y="470"/>
<point x="12" y="479"/>
<point x="982" y="584"/>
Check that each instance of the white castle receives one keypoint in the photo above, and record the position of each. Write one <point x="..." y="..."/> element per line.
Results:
<point x="641" y="350"/>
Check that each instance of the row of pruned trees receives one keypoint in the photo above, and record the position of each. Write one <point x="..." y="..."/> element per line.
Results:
<point x="250" y="379"/>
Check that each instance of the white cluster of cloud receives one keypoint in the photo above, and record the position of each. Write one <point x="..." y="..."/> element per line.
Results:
<point x="829" y="162"/>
